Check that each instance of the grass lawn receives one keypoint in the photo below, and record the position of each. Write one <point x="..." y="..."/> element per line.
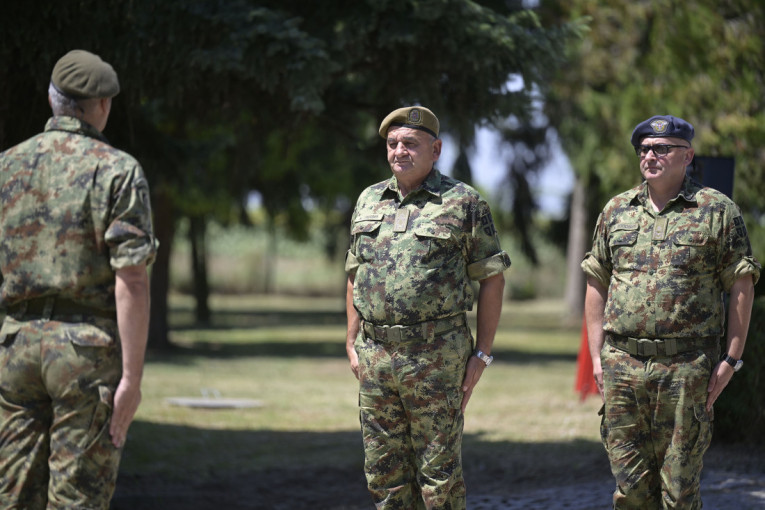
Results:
<point x="288" y="355"/>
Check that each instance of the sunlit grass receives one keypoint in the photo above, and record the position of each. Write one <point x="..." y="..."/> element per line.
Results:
<point x="288" y="356"/>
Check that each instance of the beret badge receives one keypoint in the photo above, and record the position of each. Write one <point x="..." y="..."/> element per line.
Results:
<point x="659" y="126"/>
<point x="414" y="117"/>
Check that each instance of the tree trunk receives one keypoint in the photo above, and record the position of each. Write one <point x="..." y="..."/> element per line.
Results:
<point x="164" y="229"/>
<point x="197" y="231"/>
<point x="577" y="246"/>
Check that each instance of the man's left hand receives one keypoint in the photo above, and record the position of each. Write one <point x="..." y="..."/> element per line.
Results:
<point x="473" y="371"/>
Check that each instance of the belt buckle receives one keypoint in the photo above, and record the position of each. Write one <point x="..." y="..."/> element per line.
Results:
<point x="393" y="333"/>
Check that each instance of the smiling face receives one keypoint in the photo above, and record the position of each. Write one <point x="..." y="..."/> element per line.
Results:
<point x="667" y="170"/>
<point x="411" y="155"/>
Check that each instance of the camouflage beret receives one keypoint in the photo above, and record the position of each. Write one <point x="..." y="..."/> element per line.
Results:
<point x="662" y="126"/>
<point x="82" y="75"/>
<point x="415" y="117"/>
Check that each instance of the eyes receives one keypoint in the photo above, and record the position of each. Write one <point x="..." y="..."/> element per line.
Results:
<point x="408" y="144"/>
<point x="658" y="149"/>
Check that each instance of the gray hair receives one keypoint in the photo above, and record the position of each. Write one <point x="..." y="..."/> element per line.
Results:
<point x="62" y="104"/>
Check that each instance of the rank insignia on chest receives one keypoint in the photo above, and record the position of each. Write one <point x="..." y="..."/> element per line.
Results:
<point x="402" y="220"/>
<point x="659" y="229"/>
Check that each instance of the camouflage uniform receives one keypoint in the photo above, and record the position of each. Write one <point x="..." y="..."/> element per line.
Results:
<point x="413" y="259"/>
<point x="74" y="210"/>
<point x="665" y="273"/>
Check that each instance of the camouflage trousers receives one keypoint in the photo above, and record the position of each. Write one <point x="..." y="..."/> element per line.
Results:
<point x="410" y="394"/>
<point x="57" y="382"/>
<point x="655" y="426"/>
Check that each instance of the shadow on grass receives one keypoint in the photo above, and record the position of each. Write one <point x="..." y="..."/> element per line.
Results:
<point x="172" y="467"/>
<point x="295" y="348"/>
<point x="249" y="318"/>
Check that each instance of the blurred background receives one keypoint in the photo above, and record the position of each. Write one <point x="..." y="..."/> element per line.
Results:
<point x="256" y="124"/>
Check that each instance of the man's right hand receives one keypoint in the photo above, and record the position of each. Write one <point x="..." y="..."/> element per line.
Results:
<point x="354" y="359"/>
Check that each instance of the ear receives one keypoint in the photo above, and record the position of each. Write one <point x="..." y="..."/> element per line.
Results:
<point x="436" y="149"/>
<point x="689" y="156"/>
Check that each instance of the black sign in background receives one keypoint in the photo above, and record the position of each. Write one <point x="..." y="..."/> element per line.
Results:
<point x="714" y="172"/>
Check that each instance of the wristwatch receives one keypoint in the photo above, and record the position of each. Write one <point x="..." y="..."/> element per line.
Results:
<point x="484" y="357"/>
<point x="735" y="363"/>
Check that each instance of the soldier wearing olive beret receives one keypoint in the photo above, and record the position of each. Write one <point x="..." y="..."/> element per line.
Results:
<point x="663" y="255"/>
<point x="77" y="239"/>
<point x="418" y="239"/>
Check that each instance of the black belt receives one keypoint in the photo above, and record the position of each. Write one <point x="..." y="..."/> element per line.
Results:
<point x="659" y="347"/>
<point x="53" y="307"/>
<point x="420" y="331"/>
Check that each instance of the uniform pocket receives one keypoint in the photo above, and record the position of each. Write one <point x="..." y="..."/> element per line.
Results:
<point x="620" y="243"/>
<point x="365" y="230"/>
<point x="99" y="423"/>
<point x="692" y="252"/>
<point x="436" y="245"/>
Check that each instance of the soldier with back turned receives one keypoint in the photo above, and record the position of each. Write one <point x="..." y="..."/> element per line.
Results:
<point x="76" y="241"/>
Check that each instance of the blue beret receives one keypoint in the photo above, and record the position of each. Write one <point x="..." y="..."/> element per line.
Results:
<point x="662" y="126"/>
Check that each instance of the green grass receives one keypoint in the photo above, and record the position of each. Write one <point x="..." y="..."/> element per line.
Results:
<point x="288" y="355"/>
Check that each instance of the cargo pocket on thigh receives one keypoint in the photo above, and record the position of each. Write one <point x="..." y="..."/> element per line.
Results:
<point x="603" y="426"/>
<point x="99" y="422"/>
<point x="704" y="421"/>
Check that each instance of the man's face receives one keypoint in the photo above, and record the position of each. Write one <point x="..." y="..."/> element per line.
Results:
<point x="411" y="153"/>
<point x="669" y="168"/>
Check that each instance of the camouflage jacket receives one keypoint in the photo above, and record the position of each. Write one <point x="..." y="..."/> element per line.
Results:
<point x="413" y="258"/>
<point x="666" y="272"/>
<point x="73" y="209"/>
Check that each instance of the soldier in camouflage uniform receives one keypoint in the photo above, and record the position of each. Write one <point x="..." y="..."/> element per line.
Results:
<point x="76" y="241"/>
<point x="417" y="241"/>
<point x="663" y="254"/>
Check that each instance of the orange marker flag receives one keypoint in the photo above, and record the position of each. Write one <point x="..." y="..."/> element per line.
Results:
<point x="585" y="382"/>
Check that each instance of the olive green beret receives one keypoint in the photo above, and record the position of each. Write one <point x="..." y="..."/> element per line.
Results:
<point x="415" y="117"/>
<point x="82" y="75"/>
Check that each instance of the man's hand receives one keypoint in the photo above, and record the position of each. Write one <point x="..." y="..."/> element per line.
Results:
<point x="353" y="357"/>
<point x="597" y="373"/>
<point x="126" y="400"/>
<point x="473" y="372"/>
<point x="720" y="378"/>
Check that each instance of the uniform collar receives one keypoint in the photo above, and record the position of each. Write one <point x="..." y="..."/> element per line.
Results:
<point x="74" y="125"/>
<point x="431" y="184"/>
<point x="687" y="192"/>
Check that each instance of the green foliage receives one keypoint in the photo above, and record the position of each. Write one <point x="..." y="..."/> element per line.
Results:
<point x="702" y="60"/>
<point x="740" y="410"/>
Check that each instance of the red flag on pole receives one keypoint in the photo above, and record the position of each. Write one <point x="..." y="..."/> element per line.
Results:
<point x="585" y="382"/>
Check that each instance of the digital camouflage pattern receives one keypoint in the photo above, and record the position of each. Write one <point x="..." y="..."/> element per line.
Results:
<point x="655" y="427"/>
<point x="420" y="269"/>
<point x="73" y="210"/>
<point x="666" y="272"/>
<point x="413" y="259"/>
<point x="57" y="386"/>
<point x="409" y="398"/>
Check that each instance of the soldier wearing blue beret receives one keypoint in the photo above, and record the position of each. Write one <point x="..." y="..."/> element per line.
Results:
<point x="77" y="238"/>
<point x="663" y="255"/>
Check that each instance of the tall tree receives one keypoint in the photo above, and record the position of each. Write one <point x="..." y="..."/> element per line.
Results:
<point x="701" y="60"/>
<point x="284" y="97"/>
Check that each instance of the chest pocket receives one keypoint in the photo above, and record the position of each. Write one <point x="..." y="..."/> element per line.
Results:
<point x="621" y="243"/>
<point x="364" y="232"/>
<point x="692" y="252"/>
<point x="435" y="245"/>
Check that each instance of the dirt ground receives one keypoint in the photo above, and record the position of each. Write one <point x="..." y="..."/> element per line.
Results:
<point x="734" y="478"/>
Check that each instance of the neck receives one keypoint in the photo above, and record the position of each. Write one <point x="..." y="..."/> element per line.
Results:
<point x="661" y="195"/>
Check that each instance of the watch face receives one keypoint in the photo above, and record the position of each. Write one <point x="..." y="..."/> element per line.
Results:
<point x="739" y="364"/>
